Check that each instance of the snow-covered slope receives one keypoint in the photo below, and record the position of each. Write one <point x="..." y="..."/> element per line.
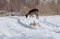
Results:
<point x="48" y="27"/>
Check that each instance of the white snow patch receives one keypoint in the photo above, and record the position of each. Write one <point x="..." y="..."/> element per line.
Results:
<point x="48" y="27"/>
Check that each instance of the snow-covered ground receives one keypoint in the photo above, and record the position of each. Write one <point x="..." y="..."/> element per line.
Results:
<point x="17" y="27"/>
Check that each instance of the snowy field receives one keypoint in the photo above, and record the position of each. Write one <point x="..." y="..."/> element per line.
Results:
<point x="17" y="27"/>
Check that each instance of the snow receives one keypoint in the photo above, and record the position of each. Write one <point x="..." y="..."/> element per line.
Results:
<point x="17" y="27"/>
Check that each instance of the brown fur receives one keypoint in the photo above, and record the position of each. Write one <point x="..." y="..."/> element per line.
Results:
<point x="33" y="24"/>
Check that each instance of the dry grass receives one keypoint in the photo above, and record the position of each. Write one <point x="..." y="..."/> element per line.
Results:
<point x="23" y="7"/>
